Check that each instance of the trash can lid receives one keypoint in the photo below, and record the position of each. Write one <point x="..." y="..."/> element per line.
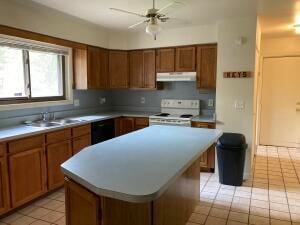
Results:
<point x="232" y="140"/>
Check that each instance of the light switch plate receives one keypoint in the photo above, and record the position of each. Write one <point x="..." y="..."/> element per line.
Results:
<point x="239" y="105"/>
<point x="76" y="102"/>
<point x="143" y="100"/>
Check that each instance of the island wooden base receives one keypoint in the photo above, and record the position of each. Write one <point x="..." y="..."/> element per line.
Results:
<point x="173" y="207"/>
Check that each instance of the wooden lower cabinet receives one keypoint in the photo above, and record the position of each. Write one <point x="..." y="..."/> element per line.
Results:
<point x="207" y="159"/>
<point x="125" y="125"/>
<point x="56" y="154"/>
<point x="82" y="207"/>
<point x="80" y="143"/>
<point x="173" y="207"/>
<point x="4" y="188"/>
<point x="27" y="175"/>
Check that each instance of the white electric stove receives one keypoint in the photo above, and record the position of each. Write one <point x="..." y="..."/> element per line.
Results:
<point x="176" y="112"/>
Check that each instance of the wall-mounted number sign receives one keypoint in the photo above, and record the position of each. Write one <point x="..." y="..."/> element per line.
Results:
<point x="240" y="74"/>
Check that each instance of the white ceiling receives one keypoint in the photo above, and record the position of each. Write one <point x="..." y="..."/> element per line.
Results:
<point x="277" y="16"/>
<point x="194" y="12"/>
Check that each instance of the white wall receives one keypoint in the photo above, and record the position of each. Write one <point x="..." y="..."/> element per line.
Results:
<point x="50" y="22"/>
<point x="280" y="46"/>
<point x="232" y="57"/>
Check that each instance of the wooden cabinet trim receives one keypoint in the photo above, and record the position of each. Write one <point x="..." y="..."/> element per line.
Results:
<point x="2" y="149"/>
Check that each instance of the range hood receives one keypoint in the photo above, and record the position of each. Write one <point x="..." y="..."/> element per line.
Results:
<point x="176" y="76"/>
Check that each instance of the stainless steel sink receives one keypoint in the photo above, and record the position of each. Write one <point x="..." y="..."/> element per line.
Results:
<point x="44" y="124"/>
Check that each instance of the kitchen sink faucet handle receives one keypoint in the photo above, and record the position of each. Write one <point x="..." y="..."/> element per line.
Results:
<point x="44" y="116"/>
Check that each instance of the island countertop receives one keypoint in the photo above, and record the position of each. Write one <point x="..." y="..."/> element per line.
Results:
<point x="139" y="166"/>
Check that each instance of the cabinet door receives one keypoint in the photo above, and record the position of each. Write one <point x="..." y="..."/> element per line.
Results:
<point x="136" y="73"/>
<point x="27" y="175"/>
<point x="82" y="207"/>
<point x="165" y="60"/>
<point x="118" y="69"/>
<point x="4" y="189"/>
<point x="80" y="69"/>
<point x="141" y="123"/>
<point x="149" y="69"/>
<point x="124" y="125"/>
<point x="97" y="68"/>
<point x="56" y="154"/>
<point x="80" y="143"/>
<point x="204" y="160"/>
<point x="206" y="66"/>
<point x="185" y="59"/>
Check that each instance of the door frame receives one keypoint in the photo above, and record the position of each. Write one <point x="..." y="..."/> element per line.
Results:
<point x="260" y="87"/>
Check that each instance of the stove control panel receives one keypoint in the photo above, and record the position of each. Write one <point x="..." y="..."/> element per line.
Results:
<point x="180" y="104"/>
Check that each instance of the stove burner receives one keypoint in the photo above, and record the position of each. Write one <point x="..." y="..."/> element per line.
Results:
<point x="163" y="114"/>
<point x="186" y="116"/>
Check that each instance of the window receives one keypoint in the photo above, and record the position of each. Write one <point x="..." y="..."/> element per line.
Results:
<point x="30" y="73"/>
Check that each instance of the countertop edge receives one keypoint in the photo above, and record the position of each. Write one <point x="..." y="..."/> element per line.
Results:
<point x="105" y="116"/>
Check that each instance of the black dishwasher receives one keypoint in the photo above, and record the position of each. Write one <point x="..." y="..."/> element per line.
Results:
<point x="102" y="131"/>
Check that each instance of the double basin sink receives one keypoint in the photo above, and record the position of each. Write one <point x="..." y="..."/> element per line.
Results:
<point x="53" y="123"/>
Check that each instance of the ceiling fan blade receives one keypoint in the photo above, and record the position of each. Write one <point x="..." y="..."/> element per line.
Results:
<point x="169" y="7"/>
<point x="127" y="12"/>
<point x="137" y="24"/>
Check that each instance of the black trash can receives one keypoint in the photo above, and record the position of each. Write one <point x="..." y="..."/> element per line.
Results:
<point x="231" y="151"/>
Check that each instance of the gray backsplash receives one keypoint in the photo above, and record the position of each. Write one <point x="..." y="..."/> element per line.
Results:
<point x="123" y="100"/>
<point x="131" y="99"/>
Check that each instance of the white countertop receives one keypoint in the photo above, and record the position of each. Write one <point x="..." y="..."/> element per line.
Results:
<point x="20" y="131"/>
<point x="139" y="166"/>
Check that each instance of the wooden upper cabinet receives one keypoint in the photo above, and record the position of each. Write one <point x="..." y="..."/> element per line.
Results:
<point x="165" y="60"/>
<point x="185" y="59"/>
<point x="149" y="69"/>
<point x="136" y="67"/>
<point x="90" y="68"/>
<point x="206" y="66"/>
<point x="118" y="69"/>
<point x="97" y="68"/>
<point x="142" y="69"/>
<point x="26" y="170"/>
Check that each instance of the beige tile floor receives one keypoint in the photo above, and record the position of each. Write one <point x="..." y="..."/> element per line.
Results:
<point x="270" y="197"/>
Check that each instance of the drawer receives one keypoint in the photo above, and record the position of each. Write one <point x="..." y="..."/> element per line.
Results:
<point x="2" y="149"/>
<point x="143" y="122"/>
<point x="57" y="136"/>
<point x="26" y="144"/>
<point x="81" y="130"/>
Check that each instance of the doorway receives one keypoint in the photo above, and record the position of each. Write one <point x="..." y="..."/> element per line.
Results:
<point x="280" y="102"/>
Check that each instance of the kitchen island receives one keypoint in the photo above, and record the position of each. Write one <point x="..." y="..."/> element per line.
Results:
<point x="147" y="177"/>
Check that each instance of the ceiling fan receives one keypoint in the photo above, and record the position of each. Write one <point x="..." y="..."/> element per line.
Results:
<point x="153" y="17"/>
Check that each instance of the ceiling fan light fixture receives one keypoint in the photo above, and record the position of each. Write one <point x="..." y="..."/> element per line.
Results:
<point x="153" y="27"/>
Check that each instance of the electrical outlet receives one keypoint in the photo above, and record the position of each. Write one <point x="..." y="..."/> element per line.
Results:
<point x="210" y="102"/>
<point x="76" y="102"/>
<point x="102" y="100"/>
<point x="143" y="100"/>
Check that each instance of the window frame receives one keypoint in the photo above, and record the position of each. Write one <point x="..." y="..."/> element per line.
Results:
<point x="66" y="52"/>
<point x="27" y="85"/>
